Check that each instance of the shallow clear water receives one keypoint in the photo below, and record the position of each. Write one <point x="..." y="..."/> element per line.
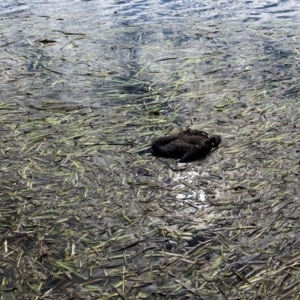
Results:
<point x="140" y="68"/>
<point x="94" y="47"/>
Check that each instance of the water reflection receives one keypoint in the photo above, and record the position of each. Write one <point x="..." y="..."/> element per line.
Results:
<point x="153" y="11"/>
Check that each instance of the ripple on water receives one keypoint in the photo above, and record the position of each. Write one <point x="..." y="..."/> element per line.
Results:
<point x="13" y="7"/>
<point x="156" y="11"/>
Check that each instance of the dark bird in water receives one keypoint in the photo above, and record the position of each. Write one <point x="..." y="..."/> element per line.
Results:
<point x="188" y="146"/>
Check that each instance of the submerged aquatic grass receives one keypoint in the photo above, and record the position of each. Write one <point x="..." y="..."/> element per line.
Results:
<point x="87" y="212"/>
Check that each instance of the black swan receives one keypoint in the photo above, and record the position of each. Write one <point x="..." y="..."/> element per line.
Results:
<point x="188" y="146"/>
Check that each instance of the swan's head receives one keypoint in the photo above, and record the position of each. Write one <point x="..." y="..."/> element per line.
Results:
<point x="215" y="140"/>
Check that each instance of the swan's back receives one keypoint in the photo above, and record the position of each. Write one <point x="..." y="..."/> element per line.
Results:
<point x="186" y="146"/>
